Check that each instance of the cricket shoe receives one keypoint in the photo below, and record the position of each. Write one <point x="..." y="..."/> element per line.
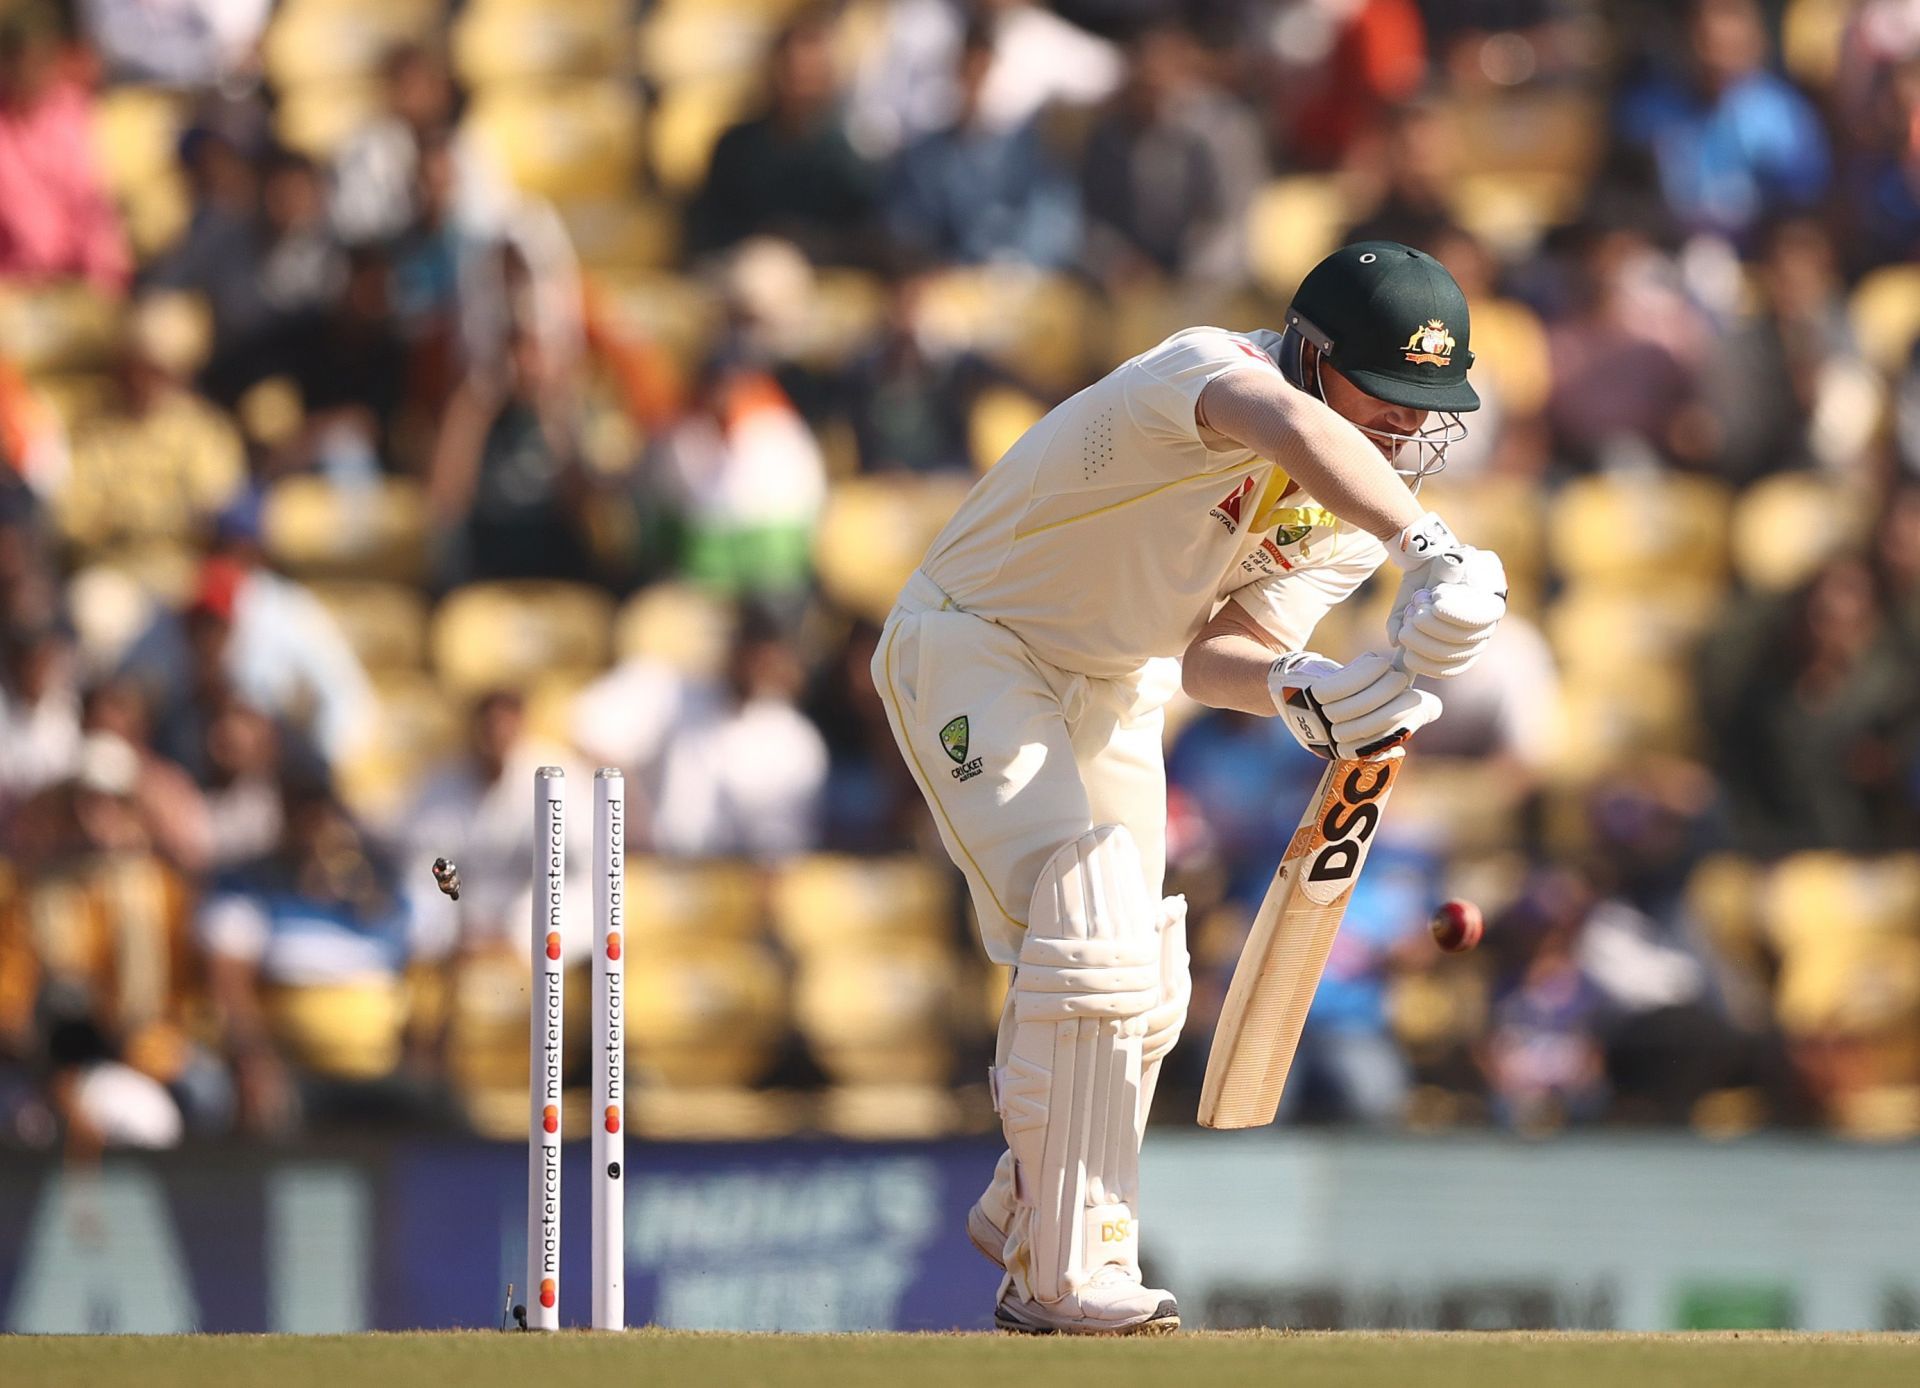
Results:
<point x="1112" y="1302"/>
<point x="992" y="1213"/>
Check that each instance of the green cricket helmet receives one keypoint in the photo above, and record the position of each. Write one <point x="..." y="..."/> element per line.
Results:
<point x="1393" y="321"/>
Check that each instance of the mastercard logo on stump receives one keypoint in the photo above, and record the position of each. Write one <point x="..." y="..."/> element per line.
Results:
<point x="613" y="944"/>
<point x="553" y="944"/>
<point x="550" y="1119"/>
<point x="546" y="1291"/>
<point x="613" y="1118"/>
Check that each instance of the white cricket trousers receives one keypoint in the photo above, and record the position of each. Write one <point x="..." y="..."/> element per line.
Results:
<point x="1042" y="757"/>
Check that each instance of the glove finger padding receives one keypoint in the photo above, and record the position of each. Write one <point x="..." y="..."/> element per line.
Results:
<point x="1358" y="689"/>
<point x="1443" y="647"/>
<point x="1407" y="713"/>
<point x="1456" y="605"/>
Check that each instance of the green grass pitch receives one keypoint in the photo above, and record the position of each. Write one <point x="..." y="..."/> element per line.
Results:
<point x="652" y="1358"/>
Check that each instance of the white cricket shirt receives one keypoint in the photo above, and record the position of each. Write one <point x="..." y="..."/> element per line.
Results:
<point x="1110" y="532"/>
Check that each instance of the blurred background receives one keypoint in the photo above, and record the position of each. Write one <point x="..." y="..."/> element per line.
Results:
<point x="397" y="395"/>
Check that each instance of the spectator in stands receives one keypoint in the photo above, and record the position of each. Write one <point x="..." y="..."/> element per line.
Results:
<point x="1731" y="141"/>
<point x="790" y="170"/>
<point x="261" y="635"/>
<point x="473" y="809"/>
<point x="171" y="809"/>
<point x="33" y="438"/>
<point x="1895" y="556"/>
<point x="906" y="86"/>
<point x="1882" y="172"/>
<point x="1339" y="66"/>
<point x="717" y="768"/>
<point x="376" y="178"/>
<point x="108" y="951"/>
<point x="909" y="394"/>
<point x="156" y="461"/>
<point x="177" y="43"/>
<point x="56" y="221"/>
<point x="1411" y="171"/>
<point x="39" y="710"/>
<point x="1542" y="1055"/>
<point x="1787" y="384"/>
<point x="1168" y="172"/>
<point x="1626" y="357"/>
<point x="349" y="363"/>
<point x="1812" y="714"/>
<point x="505" y="480"/>
<point x="970" y="194"/>
<point x="743" y="481"/>
<point x="29" y="586"/>
<point x="217" y="254"/>
<point x="869" y="804"/>
<point x="307" y="954"/>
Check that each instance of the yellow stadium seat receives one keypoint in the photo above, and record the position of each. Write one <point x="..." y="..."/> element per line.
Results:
<point x="1600" y="726"/>
<point x="316" y="530"/>
<point x="1504" y="514"/>
<point x="386" y="623"/>
<point x="1812" y="36"/>
<point x="1041" y="325"/>
<point x="1291" y="225"/>
<point x="563" y="140"/>
<point x="676" y="624"/>
<point x="1848" y="933"/>
<point x="498" y="41"/>
<point x="623" y="233"/>
<point x="873" y="534"/>
<point x="1885" y="309"/>
<point x="135" y="134"/>
<point x="670" y="902"/>
<point x="707" y="1013"/>
<point x="1724" y="893"/>
<point x="1641" y="531"/>
<point x="1787" y="526"/>
<point x="998" y="419"/>
<point x="829" y="902"/>
<point x="1610" y="636"/>
<point x="673" y="311"/>
<point x="1433" y="790"/>
<point x="487" y="635"/>
<point x="1557" y="131"/>
<point x="63" y="327"/>
<point x="415" y="725"/>
<point x="687" y="122"/>
<point x="879" y="1013"/>
<point x="313" y="41"/>
<point x="890" y="1112"/>
<point x="843" y="314"/>
<point x="679" y="44"/>
<point x="316" y="118"/>
<point x="713" y="1113"/>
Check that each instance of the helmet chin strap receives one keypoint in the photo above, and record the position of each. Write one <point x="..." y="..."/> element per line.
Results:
<point x="1429" y="445"/>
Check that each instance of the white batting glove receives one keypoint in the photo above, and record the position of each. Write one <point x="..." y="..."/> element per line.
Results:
<point x="1451" y="599"/>
<point x="1348" y="711"/>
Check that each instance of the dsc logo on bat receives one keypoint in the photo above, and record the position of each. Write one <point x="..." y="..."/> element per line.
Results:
<point x="1348" y="817"/>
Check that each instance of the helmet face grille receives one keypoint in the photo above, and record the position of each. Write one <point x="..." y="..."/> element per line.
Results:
<point x="1414" y="456"/>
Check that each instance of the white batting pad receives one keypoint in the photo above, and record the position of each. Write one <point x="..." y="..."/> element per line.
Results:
<point x="1069" y="1093"/>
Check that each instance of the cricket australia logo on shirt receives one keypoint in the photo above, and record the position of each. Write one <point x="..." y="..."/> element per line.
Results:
<point x="953" y="738"/>
<point x="1230" y="507"/>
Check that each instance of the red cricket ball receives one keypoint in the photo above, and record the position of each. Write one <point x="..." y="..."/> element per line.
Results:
<point x="1457" y="925"/>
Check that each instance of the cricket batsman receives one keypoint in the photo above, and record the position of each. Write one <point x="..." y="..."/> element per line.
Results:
<point x="1185" y="520"/>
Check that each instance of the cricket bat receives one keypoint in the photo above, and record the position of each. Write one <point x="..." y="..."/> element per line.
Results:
<point x="1287" y="948"/>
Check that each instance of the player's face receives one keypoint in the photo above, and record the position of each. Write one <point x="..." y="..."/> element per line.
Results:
<point x="1370" y="412"/>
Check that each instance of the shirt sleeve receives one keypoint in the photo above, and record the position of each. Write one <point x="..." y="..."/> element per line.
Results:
<point x="1164" y="385"/>
<point x="1290" y="604"/>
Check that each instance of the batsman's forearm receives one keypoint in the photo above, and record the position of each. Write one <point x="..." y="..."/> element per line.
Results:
<point x="1326" y="455"/>
<point x="1229" y="671"/>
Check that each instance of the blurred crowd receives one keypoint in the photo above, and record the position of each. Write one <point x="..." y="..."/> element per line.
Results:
<point x="398" y="395"/>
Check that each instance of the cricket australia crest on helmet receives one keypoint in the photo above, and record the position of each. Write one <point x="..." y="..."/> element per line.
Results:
<point x="1431" y="344"/>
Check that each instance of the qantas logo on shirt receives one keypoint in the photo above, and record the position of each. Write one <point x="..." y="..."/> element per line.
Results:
<point x="1228" y="511"/>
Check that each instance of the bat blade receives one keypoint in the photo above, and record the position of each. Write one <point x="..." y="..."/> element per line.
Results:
<point x="1286" y="949"/>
